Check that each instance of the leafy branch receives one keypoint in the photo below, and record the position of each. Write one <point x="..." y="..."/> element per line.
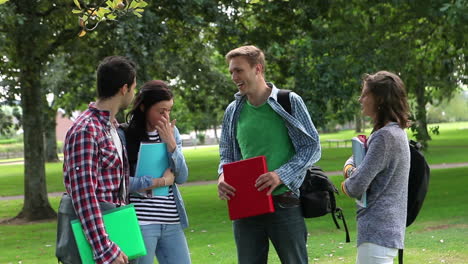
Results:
<point x="89" y="17"/>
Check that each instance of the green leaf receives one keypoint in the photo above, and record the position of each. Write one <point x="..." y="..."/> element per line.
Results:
<point x="77" y="3"/>
<point x="137" y="14"/>
<point x="111" y="4"/>
<point x="140" y="10"/>
<point x="111" y="17"/>
<point x="143" y="4"/>
<point x="75" y="11"/>
<point x="3" y="1"/>
<point x="102" y="12"/>
<point x="134" y="4"/>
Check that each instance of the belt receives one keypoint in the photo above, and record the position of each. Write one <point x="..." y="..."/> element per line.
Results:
<point x="287" y="198"/>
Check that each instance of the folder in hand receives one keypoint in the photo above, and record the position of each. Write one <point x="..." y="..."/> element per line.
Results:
<point x="122" y="226"/>
<point x="359" y="146"/>
<point x="248" y="201"/>
<point x="153" y="161"/>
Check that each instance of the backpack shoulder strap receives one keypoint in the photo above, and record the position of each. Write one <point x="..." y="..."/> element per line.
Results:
<point x="283" y="100"/>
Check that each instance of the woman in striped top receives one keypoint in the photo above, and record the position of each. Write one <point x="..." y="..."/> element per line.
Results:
<point x="162" y="218"/>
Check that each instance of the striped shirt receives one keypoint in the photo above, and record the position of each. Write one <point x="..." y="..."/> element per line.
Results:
<point x="156" y="209"/>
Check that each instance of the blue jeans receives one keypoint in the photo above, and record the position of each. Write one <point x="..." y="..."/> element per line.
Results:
<point x="167" y="242"/>
<point x="370" y="253"/>
<point x="285" y="228"/>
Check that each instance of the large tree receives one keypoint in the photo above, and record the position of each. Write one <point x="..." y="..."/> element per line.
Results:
<point x="26" y="45"/>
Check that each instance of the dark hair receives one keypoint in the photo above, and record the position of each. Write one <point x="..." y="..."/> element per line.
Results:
<point x="151" y="92"/>
<point x="390" y="98"/>
<point x="114" y="72"/>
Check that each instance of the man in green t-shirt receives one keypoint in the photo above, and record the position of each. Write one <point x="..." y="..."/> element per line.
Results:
<point x="256" y="124"/>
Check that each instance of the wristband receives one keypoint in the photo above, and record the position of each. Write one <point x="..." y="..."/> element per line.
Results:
<point x="347" y="170"/>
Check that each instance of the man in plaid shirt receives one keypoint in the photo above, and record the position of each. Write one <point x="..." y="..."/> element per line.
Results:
<point x="95" y="164"/>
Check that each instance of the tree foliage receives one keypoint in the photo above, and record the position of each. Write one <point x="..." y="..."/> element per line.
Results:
<point x="321" y="48"/>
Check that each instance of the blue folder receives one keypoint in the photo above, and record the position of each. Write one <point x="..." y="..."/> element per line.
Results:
<point x="359" y="151"/>
<point x="153" y="161"/>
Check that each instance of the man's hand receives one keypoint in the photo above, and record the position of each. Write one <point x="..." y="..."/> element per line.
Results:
<point x="269" y="180"/>
<point x="225" y="191"/>
<point x="121" y="259"/>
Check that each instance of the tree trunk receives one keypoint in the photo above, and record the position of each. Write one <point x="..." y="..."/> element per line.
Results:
<point x="421" y="134"/>
<point x="51" y="139"/>
<point x="359" y="121"/>
<point x="216" y="133"/>
<point x="36" y="203"/>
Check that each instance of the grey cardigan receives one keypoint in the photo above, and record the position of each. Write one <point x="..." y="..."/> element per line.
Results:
<point x="384" y="175"/>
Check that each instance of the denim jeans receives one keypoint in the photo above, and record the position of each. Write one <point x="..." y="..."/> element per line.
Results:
<point x="167" y="242"/>
<point x="285" y="228"/>
<point x="370" y="253"/>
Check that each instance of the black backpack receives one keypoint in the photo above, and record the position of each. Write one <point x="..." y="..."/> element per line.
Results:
<point x="418" y="185"/>
<point x="317" y="192"/>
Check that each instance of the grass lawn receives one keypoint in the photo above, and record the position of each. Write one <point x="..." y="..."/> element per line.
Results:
<point x="438" y="235"/>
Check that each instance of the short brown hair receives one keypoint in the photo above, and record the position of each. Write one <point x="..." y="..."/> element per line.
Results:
<point x="253" y="55"/>
<point x="390" y="96"/>
<point x="114" y="72"/>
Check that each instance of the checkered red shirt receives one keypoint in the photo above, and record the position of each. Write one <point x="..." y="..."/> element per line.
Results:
<point x="92" y="173"/>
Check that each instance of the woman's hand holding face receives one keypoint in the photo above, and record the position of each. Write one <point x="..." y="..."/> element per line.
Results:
<point x="166" y="132"/>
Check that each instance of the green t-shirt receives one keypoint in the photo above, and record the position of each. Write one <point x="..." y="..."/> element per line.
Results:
<point x="261" y="131"/>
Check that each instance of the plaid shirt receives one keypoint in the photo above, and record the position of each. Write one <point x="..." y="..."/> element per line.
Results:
<point x="92" y="172"/>
<point x="301" y="130"/>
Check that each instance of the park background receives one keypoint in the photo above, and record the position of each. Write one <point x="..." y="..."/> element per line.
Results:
<point x="320" y="49"/>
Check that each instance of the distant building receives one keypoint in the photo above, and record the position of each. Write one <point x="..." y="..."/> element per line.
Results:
<point x="63" y="124"/>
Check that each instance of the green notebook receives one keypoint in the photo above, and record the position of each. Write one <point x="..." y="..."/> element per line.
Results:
<point x="122" y="226"/>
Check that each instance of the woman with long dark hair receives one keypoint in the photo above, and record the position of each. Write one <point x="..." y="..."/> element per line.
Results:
<point x="162" y="218"/>
<point x="383" y="173"/>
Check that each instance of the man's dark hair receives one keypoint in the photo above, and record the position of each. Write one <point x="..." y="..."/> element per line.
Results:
<point x="114" y="72"/>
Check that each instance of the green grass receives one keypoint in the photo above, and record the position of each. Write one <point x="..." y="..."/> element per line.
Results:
<point x="12" y="180"/>
<point x="438" y="235"/>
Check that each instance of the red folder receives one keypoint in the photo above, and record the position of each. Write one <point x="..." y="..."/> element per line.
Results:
<point x="248" y="201"/>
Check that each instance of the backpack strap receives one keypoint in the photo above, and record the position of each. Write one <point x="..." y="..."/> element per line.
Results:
<point x="339" y="214"/>
<point x="283" y="100"/>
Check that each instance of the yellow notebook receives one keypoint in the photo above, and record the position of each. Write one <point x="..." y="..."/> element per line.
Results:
<point x="122" y="226"/>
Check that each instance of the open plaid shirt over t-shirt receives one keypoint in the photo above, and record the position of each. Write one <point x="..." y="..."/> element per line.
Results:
<point x="93" y="171"/>
<point x="301" y="130"/>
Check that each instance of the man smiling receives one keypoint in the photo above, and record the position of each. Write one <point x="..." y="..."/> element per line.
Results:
<point x="256" y="124"/>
